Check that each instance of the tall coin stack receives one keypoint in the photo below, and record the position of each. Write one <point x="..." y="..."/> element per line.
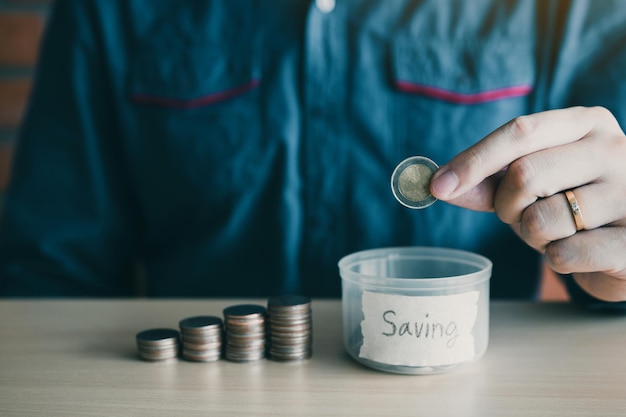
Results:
<point x="158" y="344"/>
<point x="245" y="332"/>
<point x="202" y="338"/>
<point x="290" y="327"/>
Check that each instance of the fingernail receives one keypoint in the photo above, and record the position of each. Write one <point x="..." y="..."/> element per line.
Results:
<point x="444" y="183"/>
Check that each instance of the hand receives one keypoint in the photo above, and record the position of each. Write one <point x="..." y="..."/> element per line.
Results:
<point x="521" y="171"/>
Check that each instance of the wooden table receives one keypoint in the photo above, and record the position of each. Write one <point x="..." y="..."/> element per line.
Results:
<point x="78" y="358"/>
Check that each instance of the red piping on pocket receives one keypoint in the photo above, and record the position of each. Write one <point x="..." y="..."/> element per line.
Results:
<point x="198" y="101"/>
<point x="460" y="98"/>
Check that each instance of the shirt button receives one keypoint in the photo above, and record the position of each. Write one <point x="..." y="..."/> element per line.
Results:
<point x="325" y="6"/>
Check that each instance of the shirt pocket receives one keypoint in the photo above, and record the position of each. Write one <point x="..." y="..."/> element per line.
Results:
<point x="192" y="77"/>
<point x="451" y="94"/>
<point x="472" y="73"/>
<point x="196" y="112"/>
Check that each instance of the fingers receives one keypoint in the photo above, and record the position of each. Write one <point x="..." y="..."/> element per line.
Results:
<point x="551" y="219"/>
<point x="602" y="286"/>
<point x="481" y="197"/>
<point x="543" y="174"/>
<point x="529" y="191"/>
<point x="521" y="171"/>
<point x="596" y="259"/>
<point x="521" y="136"/>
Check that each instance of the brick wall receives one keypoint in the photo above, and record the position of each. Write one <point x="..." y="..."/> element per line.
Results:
<point x="21" y="26"/>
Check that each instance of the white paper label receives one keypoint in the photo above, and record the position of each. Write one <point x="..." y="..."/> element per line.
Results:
<point x="420" y="330"/>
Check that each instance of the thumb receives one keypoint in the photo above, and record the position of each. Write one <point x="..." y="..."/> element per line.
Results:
<point x="479" y="198"/>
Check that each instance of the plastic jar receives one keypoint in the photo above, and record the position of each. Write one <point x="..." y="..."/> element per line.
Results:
<point x="415" y="310"/>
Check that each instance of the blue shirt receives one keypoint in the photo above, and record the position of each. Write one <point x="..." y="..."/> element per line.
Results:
<point x="241" y="148"/>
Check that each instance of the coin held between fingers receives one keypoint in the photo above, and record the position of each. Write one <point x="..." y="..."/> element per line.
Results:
<point x="410" y="182"/>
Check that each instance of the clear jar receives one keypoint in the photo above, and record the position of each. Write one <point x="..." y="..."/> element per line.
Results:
<point x="415" y="310"/>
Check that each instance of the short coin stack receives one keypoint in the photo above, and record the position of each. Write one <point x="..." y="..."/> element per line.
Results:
<point x="158" y="344"/>
<point x="245" y="332"/>
<point x="202" y="338"/>
<point x="290" y="327"/>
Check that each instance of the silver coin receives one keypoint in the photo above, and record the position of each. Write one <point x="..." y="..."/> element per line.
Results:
<point x="159" y="337"/>
<point x="291" y="338"/>
<point x="410" y="182"/>
<point x="286" y="326"/>
<point x="200" y="324"/>
<point x="290" y="324"/>
<point x="288" y="357"/>
<point x="156" y="348"/>
<point x="234" y="357"/>
<point x="203" y="346"/>
<point x="244" y="311"/>
<point x="245" y="343"/>
<point x="246" y="336"/>
<point x="287" y="301"/>
<point x="201" y="340"/>
<point x="165" y="356"/>
<point x="235" y="325"/>
<point x="290" y="349"/>
<point x="202" y="356"/>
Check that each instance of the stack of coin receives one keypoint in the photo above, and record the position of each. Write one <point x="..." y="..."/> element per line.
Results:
<point x="202" y="338"/>
<point x="245" y="332"/>
<point x="158" y="344"/>
<point x="290" y="327"/>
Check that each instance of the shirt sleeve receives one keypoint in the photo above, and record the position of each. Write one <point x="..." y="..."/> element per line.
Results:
<point x="67" y="226"/>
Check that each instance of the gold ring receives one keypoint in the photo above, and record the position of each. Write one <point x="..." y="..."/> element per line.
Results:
<point x="573" y="205"/>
